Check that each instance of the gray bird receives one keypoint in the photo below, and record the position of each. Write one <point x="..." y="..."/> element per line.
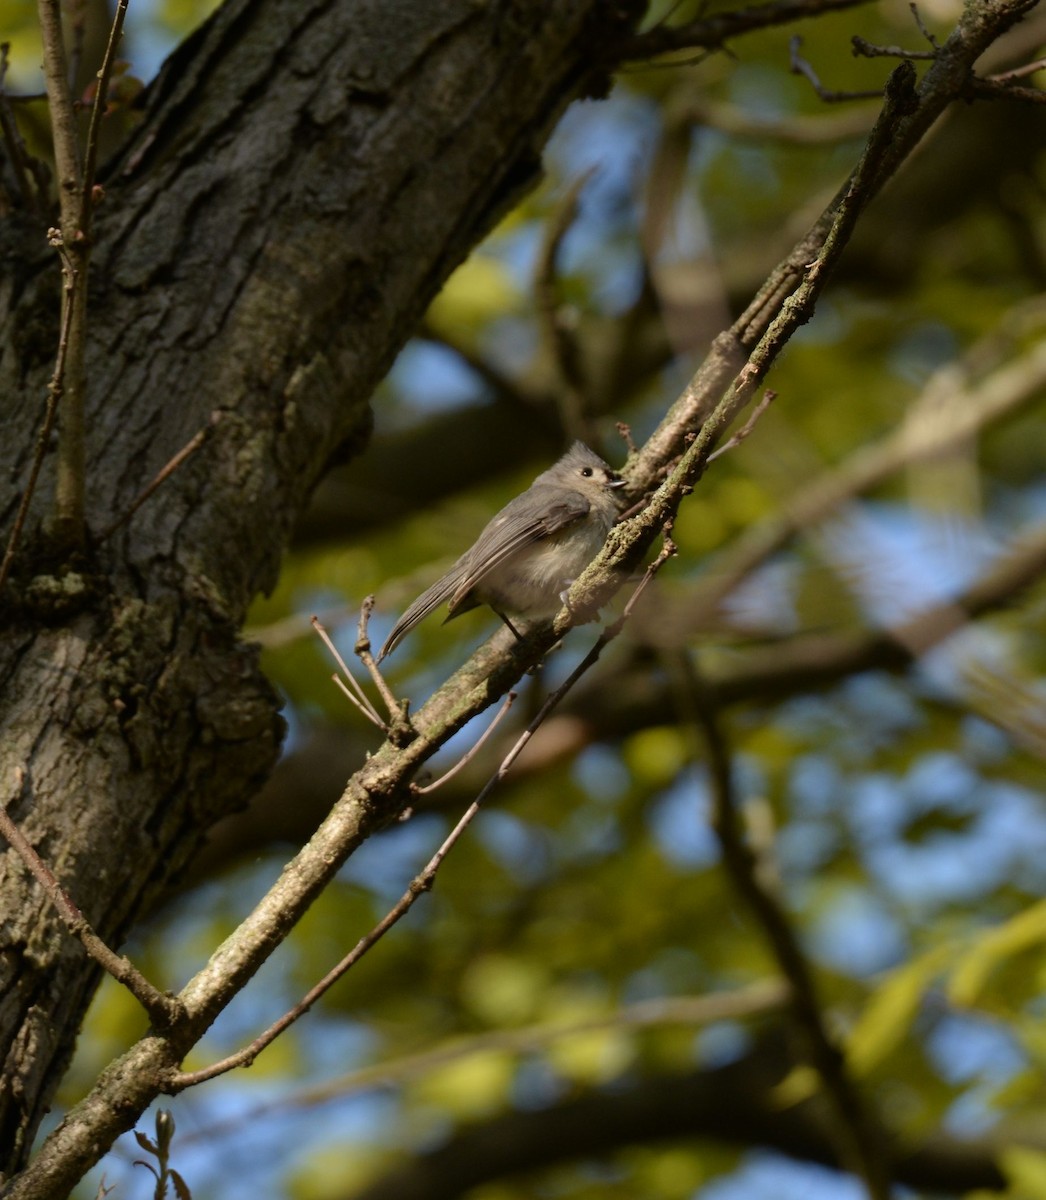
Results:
<point x="532" y="551"/>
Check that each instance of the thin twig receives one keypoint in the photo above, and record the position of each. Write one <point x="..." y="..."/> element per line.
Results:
<point x="991" y="89"/>
<point x="399" y="724"/>
<point x="922" y="28"/>
<point x="353" y="699"/>
<point x="76" y="10"/>
<point x="420" y="884"/>
<point x="755" y="999"/>
<point x="164" y="1010"/>
<point x="76" y="203"/>
<point x="194" y="443"/>
<point x="54" y="394"/>
<point x="866" y="49"/>
<point x="101" y="97"/>
<point x="63" y="118"/>
<point x="799" y="66"/>
<point x="473" y="750"/>
<point x="857" y="1133"/>
<point x="73" y="248"/>
<point x="352" y="689"/>
<point x="1018" y="72"/>
<point x="625" y="433"/>
<point x="768" y="398"/>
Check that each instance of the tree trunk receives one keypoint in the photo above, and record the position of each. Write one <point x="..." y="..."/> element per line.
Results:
<point x="305" y="177"/>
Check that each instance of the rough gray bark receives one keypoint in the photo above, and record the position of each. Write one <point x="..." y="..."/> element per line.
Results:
<point x="305" y="177"/>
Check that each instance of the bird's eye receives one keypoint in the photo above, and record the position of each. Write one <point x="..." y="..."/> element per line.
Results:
<point x="586" y="472"/>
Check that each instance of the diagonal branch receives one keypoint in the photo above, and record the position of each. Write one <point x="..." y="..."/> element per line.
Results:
<point x="423" y="882"/>
<point x="162" y="1009"/>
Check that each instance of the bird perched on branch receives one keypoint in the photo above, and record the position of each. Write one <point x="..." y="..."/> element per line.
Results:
<point x="526" y="558"/>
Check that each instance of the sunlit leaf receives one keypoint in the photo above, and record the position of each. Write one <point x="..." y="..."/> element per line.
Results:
<point x="991" y="949"/>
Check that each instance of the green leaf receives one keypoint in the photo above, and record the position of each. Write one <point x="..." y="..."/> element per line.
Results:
<point x="1026" y="1171"/>
<point x="993" y="948"/>
<point x="892" y="1007"/>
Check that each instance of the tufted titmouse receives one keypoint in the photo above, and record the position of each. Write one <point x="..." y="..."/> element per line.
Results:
<point x="532" y="551"/>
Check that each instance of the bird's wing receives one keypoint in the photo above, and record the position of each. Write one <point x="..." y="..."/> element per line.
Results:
<point x="539" y="513"/>
<point x="429" y="600"/>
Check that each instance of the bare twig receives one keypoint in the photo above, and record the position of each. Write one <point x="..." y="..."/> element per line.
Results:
<point x="63" y="119"/>
<point x="101" y="99"/>
<point x="421" y="883"/>
<point x="399" y="727"/>
<point x="353" y="699"/>
<point x="54" y="395"/>
<point x="352" y="689"/>
<point x="1018" y="72"/>
<point x="800" y="66"/>
<point x="625" y="432"/>
<point x="866" y="49"/>
<point x="76" y="196"/>
<point x="165" y="472"/>
<point x="768" y="398"/>
<point x="72" y="245"/>
<point x="857" y="1134"/>
<point x="992" y="89"/>
<point x="918" y="17"/>
<point x="164" y="1010"/>
<point x="756" y="999"/>
<point x="473" y="750"/>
